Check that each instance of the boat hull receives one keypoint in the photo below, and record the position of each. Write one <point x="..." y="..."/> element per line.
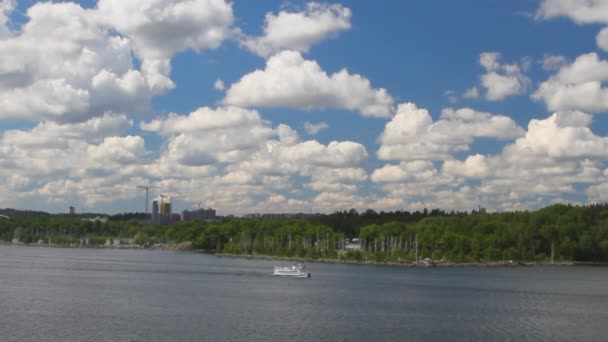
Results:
<point x="292" y="275"/>
<point x="294" y="271"/>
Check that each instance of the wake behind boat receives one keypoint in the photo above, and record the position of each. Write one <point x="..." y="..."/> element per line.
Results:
<point x="296" y="271"/>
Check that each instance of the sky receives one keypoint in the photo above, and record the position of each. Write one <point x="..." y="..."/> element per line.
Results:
<point x="294" y="106"/>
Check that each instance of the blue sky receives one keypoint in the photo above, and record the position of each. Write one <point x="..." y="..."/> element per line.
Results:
<point x="300" y="106"/>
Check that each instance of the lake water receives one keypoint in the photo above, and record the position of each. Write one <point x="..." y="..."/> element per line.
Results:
<point x="54" y="294"/>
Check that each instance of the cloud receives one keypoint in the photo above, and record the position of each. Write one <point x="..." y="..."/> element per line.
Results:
<point x="48" y="65"/>
<point x="207" y="136"/>
<point x="289" y="157"/>
<point x="563" y="135"/>
<point x="284" y="165"/>
<point x="598" y="193"/>
<point x="412" y="134"/>
<point x="6" y="7"/>
<point x="417" y="170"/>
<point x="336" y="154"/>
<point x="554" y="155"/>
<point x="47" y="134"/>
<point x="122" y="150"/>
<point x="291" y="81"/>
<point x="547" y="162"/>
<point x="580" y="11"/>
<point x="69" y="64"/>
<point x="340" y="175"/>
<point x="89" y="153"/>
<point x="602" y="39"/>
<point x="451" y="95"/>
<point x="287" y="134"/>
<point x="322" y="185"/>
<point x="577" y="86"/>
<point x="501" y="80"/>
<point x="205" y="119"/>
<point x="159" y="29"/>
<point x="298" y="31"/>
<point x="51" y="99"/>
<point x="471" y="93"/>
<point x="83" y="73"/>
<point x="414" y="185"/>
<point x="250" y="153"/>
<point x="474" y="166"/>
<point x="333" y="201"/>
<point x="315" y="128"/>
<point x="553" y="62"/>
<point x="219" y="85"/>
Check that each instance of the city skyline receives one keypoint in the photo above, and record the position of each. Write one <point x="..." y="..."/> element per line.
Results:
<point x="286" y="107"/>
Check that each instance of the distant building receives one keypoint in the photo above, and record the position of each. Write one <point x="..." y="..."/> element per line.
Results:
<point x="165" y="209"/>
<point x="72" y="210"/>
<point x="200" y="214"/>
<point x="155" y="217"/>
<point x="162" y="213"/>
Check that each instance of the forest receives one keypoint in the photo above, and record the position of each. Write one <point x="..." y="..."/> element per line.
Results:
<point x="558" y="232"/>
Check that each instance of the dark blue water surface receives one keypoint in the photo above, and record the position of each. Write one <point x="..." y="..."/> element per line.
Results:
<point x="53" y="294"/>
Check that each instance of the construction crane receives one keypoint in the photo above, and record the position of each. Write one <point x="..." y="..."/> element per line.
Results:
<point x="147" y="188"/>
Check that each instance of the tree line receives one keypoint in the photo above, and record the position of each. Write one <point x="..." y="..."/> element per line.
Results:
<point x="558" y="232"/>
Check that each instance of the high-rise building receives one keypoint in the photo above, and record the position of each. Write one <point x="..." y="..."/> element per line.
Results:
<point x="155" y="217"/>
<point x="72" y="210"/>
<point x="166" y="209"/>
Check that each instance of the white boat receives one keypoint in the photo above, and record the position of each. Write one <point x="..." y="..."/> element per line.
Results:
<point x="296" y="271"/>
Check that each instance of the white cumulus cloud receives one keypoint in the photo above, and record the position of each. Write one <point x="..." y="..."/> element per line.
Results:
<point x="205" y="119"/>
<point x="161" y="28"/>
<point x="289" y="80"/>
<point x="501" y="80"/>
<point x="580" y="11"/>
<point x="563" y="135"/>
<point x="473" y="167"/>
<point x="577" y="86"/>
<point x="298" y="31"/>
<point x="68" y="64"/>
<point x="412" y="134"/>
<point x="554" y="155"/>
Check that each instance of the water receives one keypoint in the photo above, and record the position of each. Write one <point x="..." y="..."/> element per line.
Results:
<point x="52" y="294"/>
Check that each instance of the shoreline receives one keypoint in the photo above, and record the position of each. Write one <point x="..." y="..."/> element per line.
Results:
<point x="406" y="264"/>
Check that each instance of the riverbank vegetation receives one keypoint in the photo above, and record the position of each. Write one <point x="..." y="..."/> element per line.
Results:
<point x="558" y="232"/>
